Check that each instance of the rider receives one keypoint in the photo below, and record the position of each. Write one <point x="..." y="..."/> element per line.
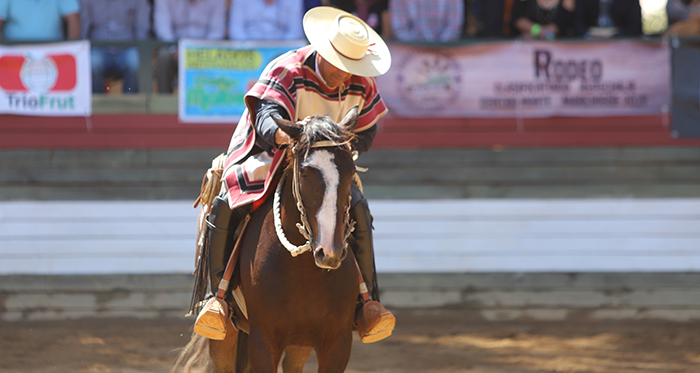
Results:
<point x="328" y="77"/>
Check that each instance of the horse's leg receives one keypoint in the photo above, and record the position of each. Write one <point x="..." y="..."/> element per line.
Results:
<point x="264" y="358"/>
<point x="242" y="363"/>
<point x="223" y="352"/>
<point x="295" y="357"/>
<point x="334" y="358"/>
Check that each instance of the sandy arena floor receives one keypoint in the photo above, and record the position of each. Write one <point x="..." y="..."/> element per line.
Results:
<point x="425" y="341"/>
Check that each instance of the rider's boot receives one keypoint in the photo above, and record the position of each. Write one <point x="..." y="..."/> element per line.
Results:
<point x="373" y="321"/>
<point x="213" y="318"/>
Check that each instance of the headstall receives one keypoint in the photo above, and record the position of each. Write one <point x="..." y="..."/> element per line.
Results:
<point x="304" y="226"/>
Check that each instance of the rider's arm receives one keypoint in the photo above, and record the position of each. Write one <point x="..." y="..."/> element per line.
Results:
<point x="265" y="127"/>
<point x="364" y="139"/>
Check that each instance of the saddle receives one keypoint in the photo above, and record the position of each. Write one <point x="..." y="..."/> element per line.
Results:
<point x="216" y="312"/>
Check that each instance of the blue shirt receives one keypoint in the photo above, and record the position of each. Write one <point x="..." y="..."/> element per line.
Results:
<point x="260" y="20"/>
<point x="35" y="19"/>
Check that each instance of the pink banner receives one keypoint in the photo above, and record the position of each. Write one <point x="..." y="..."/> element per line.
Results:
<point x="529" y="79"/>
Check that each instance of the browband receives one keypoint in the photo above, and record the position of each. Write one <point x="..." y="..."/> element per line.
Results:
<point x="328" y="144"/>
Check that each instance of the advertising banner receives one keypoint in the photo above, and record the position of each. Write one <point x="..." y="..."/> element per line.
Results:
<point x="46" y="79"/>
<point x="529" y="79"/>
<point x="215" y="75"/>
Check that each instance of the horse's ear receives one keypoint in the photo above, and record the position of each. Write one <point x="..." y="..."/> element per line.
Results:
<point x="351" y="118"/>
<point x="290" y="128"/>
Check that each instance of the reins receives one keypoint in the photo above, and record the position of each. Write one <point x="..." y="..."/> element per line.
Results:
<point x="304" y="226"/>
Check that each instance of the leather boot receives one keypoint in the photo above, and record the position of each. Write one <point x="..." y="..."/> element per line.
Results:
<point x="373" y="321"/>
<point x="218" y="223"/>
<point x="213" y="318"/>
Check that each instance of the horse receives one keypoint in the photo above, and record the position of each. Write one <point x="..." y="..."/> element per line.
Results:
<point x="296" y="303"/>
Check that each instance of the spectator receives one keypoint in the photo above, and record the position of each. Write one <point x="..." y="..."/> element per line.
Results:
<point x="374" y="12"/>
<point x="542" y="19"/>
<point x="115" y="20"/>
<point x="39" y="20"/>
<point x="607" y="18"/>
<point x="176" y="19"/>
<point x="427" y="20"/>
<point x="266" y="20"/>
<point x="683" y="17"/>
<point x="681" y="10"/>
<point x="308" y="4"/>
<point x="485" y="18"/>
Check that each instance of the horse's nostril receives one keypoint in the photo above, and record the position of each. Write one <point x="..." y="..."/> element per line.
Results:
<point x="320" y="254"/>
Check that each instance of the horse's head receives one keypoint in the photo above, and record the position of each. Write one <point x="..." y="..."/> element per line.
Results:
<point x="322" y="169"/>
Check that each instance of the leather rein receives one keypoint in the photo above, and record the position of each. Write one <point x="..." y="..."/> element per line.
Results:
<point x="304" y="226"/>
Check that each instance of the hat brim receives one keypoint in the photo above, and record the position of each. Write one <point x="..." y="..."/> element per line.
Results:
<point x="316" y="24"/>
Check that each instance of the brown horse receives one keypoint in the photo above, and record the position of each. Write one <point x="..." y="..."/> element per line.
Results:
<point x="297" y="304"/>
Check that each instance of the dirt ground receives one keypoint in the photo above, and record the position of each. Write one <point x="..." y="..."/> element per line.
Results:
<point x="439" y="341"/>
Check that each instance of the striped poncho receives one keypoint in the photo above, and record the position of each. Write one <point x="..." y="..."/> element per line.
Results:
<point x="292" y="82"/>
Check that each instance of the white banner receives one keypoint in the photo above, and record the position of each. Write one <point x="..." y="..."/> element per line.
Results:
<point x="46" y="79"/>
<point x="529" y="79"/>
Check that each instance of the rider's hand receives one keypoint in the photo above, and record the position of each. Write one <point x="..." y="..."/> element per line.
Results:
<point x="281" y="138"/>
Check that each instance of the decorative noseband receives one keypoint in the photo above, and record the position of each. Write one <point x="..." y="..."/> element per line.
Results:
<point x="305" y="227"/>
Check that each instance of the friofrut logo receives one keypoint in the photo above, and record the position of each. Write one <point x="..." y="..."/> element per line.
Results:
<point x="53" y="73"/>
<point x="39" y="83"/>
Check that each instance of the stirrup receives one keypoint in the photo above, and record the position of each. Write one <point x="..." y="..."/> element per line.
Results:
<point x="212" y="320"/>
<point x="374" y="322"/>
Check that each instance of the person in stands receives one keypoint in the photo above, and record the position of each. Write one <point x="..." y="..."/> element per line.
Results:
<point x="426" y="20"/>
<point x="542" y="19"/>
<point x="621" y="18"/>
<point x="115" y="20"/>
<point x="177" y="19"/>
<point x="25" y="20"/>
<point x="265" y="20"/>
<point x="374" y="12"/>
<point x="683" y="18"/>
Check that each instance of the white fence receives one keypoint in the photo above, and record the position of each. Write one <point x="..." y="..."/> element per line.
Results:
<point x="504" y="235"/>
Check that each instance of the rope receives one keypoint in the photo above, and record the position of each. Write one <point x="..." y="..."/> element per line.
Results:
<point x="293" y="249"/>
<point x="211" y="183"/>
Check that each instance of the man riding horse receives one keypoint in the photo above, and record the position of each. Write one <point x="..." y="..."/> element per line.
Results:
<point x="328" y="77"/>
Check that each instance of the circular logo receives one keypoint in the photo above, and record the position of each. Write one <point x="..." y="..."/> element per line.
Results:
<point x="429" y="81"/>
<point x="38" y="75"/>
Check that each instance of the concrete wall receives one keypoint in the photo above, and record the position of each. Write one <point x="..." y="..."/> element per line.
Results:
<point x="157" y="174"/>
<point x="491" y="296"/>
<point x="502" y="174"/>
<point x="411" y="236"/>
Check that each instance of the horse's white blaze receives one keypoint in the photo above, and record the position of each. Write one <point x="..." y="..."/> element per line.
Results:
<point x="322" y="160"/>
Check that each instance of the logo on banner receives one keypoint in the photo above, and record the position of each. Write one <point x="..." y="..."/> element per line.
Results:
<point x="429" y="81"/>
<point x="53" y="73"/>
<point x="44" y="79"/>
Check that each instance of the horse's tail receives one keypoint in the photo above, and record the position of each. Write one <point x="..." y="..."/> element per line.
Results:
<point x="194" y="357"/>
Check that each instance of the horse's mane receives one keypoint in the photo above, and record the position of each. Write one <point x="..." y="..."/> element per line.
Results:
<point x="322" y="128"/>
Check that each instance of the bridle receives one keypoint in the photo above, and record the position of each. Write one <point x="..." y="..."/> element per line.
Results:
<point x="304" y="226"/>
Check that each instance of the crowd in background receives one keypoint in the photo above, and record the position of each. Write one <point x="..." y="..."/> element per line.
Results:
<point x="403" y="20"/>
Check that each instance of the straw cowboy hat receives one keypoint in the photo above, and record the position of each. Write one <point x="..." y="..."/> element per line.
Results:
<point x="346" y="42"/>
